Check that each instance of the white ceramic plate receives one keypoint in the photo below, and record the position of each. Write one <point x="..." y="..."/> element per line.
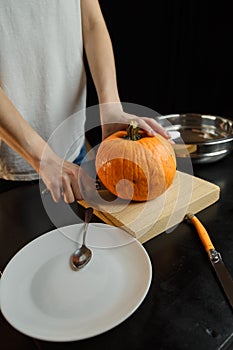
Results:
<point x="42" y="297"/>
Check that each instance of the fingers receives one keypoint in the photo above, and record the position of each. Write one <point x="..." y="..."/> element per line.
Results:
<point x="152" y="127"/>
<point x="54" y="189"/>
<point x="64" y="180"/>
<point x="68" y="193"/>
<point x="56" y="195"/>
<point x="66" y="185"/>
<point x="114" y="119"/>
<point x="71" y="184"/>
<point x="75" y="184"/>
<point x="158" y="128"/>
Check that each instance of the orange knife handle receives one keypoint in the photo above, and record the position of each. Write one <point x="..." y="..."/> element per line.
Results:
<point x="203" y="234"/>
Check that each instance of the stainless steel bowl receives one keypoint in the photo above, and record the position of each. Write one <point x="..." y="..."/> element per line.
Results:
<point x="203" y="138"/>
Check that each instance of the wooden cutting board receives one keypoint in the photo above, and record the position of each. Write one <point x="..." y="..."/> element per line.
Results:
<point x="145" y="220"/>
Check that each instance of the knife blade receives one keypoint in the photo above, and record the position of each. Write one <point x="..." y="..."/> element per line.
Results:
<point x="221" y="271"/>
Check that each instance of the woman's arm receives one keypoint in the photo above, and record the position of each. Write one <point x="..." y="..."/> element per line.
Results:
<point x="18" y="134"/>
<point x="99" y="52"/>
<point x="58" y="175"/>
<point x="98" y="48"/>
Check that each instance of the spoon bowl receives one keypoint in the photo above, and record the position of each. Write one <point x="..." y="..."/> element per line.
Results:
<point x="82" y="255"/>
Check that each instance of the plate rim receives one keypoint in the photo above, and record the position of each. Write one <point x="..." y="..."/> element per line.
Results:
<point x="74" y="337"/>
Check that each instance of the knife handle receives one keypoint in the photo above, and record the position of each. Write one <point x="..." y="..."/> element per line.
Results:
<point x="203" y="234"/>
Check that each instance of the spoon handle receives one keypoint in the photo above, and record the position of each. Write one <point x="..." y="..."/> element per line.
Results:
<point x="88" y="216"/>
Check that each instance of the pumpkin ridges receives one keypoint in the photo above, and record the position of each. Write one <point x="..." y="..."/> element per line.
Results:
<point x="144" y="186"/>
<point x="169" y="162"/>
<point x="117" y="135"/>
<point x="112" y="158"/>
<point x="103" y="175"/>
<point x="166" y="162"/>
<point x="109" y="146"/>
<point x="150" y="161"/>
<point x="147" y="169"/>
<point x="158" y="171"/>
<point x="152" y="147"/>
<point x="124" y="161"/>
<point x="140" y="170"/>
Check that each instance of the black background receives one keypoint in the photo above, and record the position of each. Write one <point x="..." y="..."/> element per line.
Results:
<point x="172" y="56"/>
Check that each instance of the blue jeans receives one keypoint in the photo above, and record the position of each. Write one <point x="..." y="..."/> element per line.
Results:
<point x="81" y="155"/>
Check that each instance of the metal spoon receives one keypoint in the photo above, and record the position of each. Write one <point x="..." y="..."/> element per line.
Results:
<point x="82" y="255"/>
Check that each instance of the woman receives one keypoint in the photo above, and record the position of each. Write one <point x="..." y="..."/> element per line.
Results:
<point x="43" y="83"/>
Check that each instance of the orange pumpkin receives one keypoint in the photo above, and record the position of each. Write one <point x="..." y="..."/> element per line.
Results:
<point x="135" y="166"/>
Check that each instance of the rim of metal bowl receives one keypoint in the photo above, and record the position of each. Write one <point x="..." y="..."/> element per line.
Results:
<point x="226" y="139"/>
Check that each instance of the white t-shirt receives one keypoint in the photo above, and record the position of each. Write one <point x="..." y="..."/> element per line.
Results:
<point x="43" y="74"/>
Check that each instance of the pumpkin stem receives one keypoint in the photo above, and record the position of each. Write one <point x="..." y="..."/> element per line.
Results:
<point x="132" y="131"/>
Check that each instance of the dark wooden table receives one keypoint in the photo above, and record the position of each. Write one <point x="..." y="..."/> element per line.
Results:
<point x="185" y="307"/>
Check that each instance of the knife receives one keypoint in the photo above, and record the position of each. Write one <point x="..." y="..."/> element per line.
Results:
<point x="221" y="271"/>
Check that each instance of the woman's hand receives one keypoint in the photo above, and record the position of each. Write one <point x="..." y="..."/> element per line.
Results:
<point x="113" y="118"/>
<point x="64" y="179"/>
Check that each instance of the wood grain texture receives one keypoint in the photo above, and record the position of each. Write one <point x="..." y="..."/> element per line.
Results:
<point x="145" y="220"/>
